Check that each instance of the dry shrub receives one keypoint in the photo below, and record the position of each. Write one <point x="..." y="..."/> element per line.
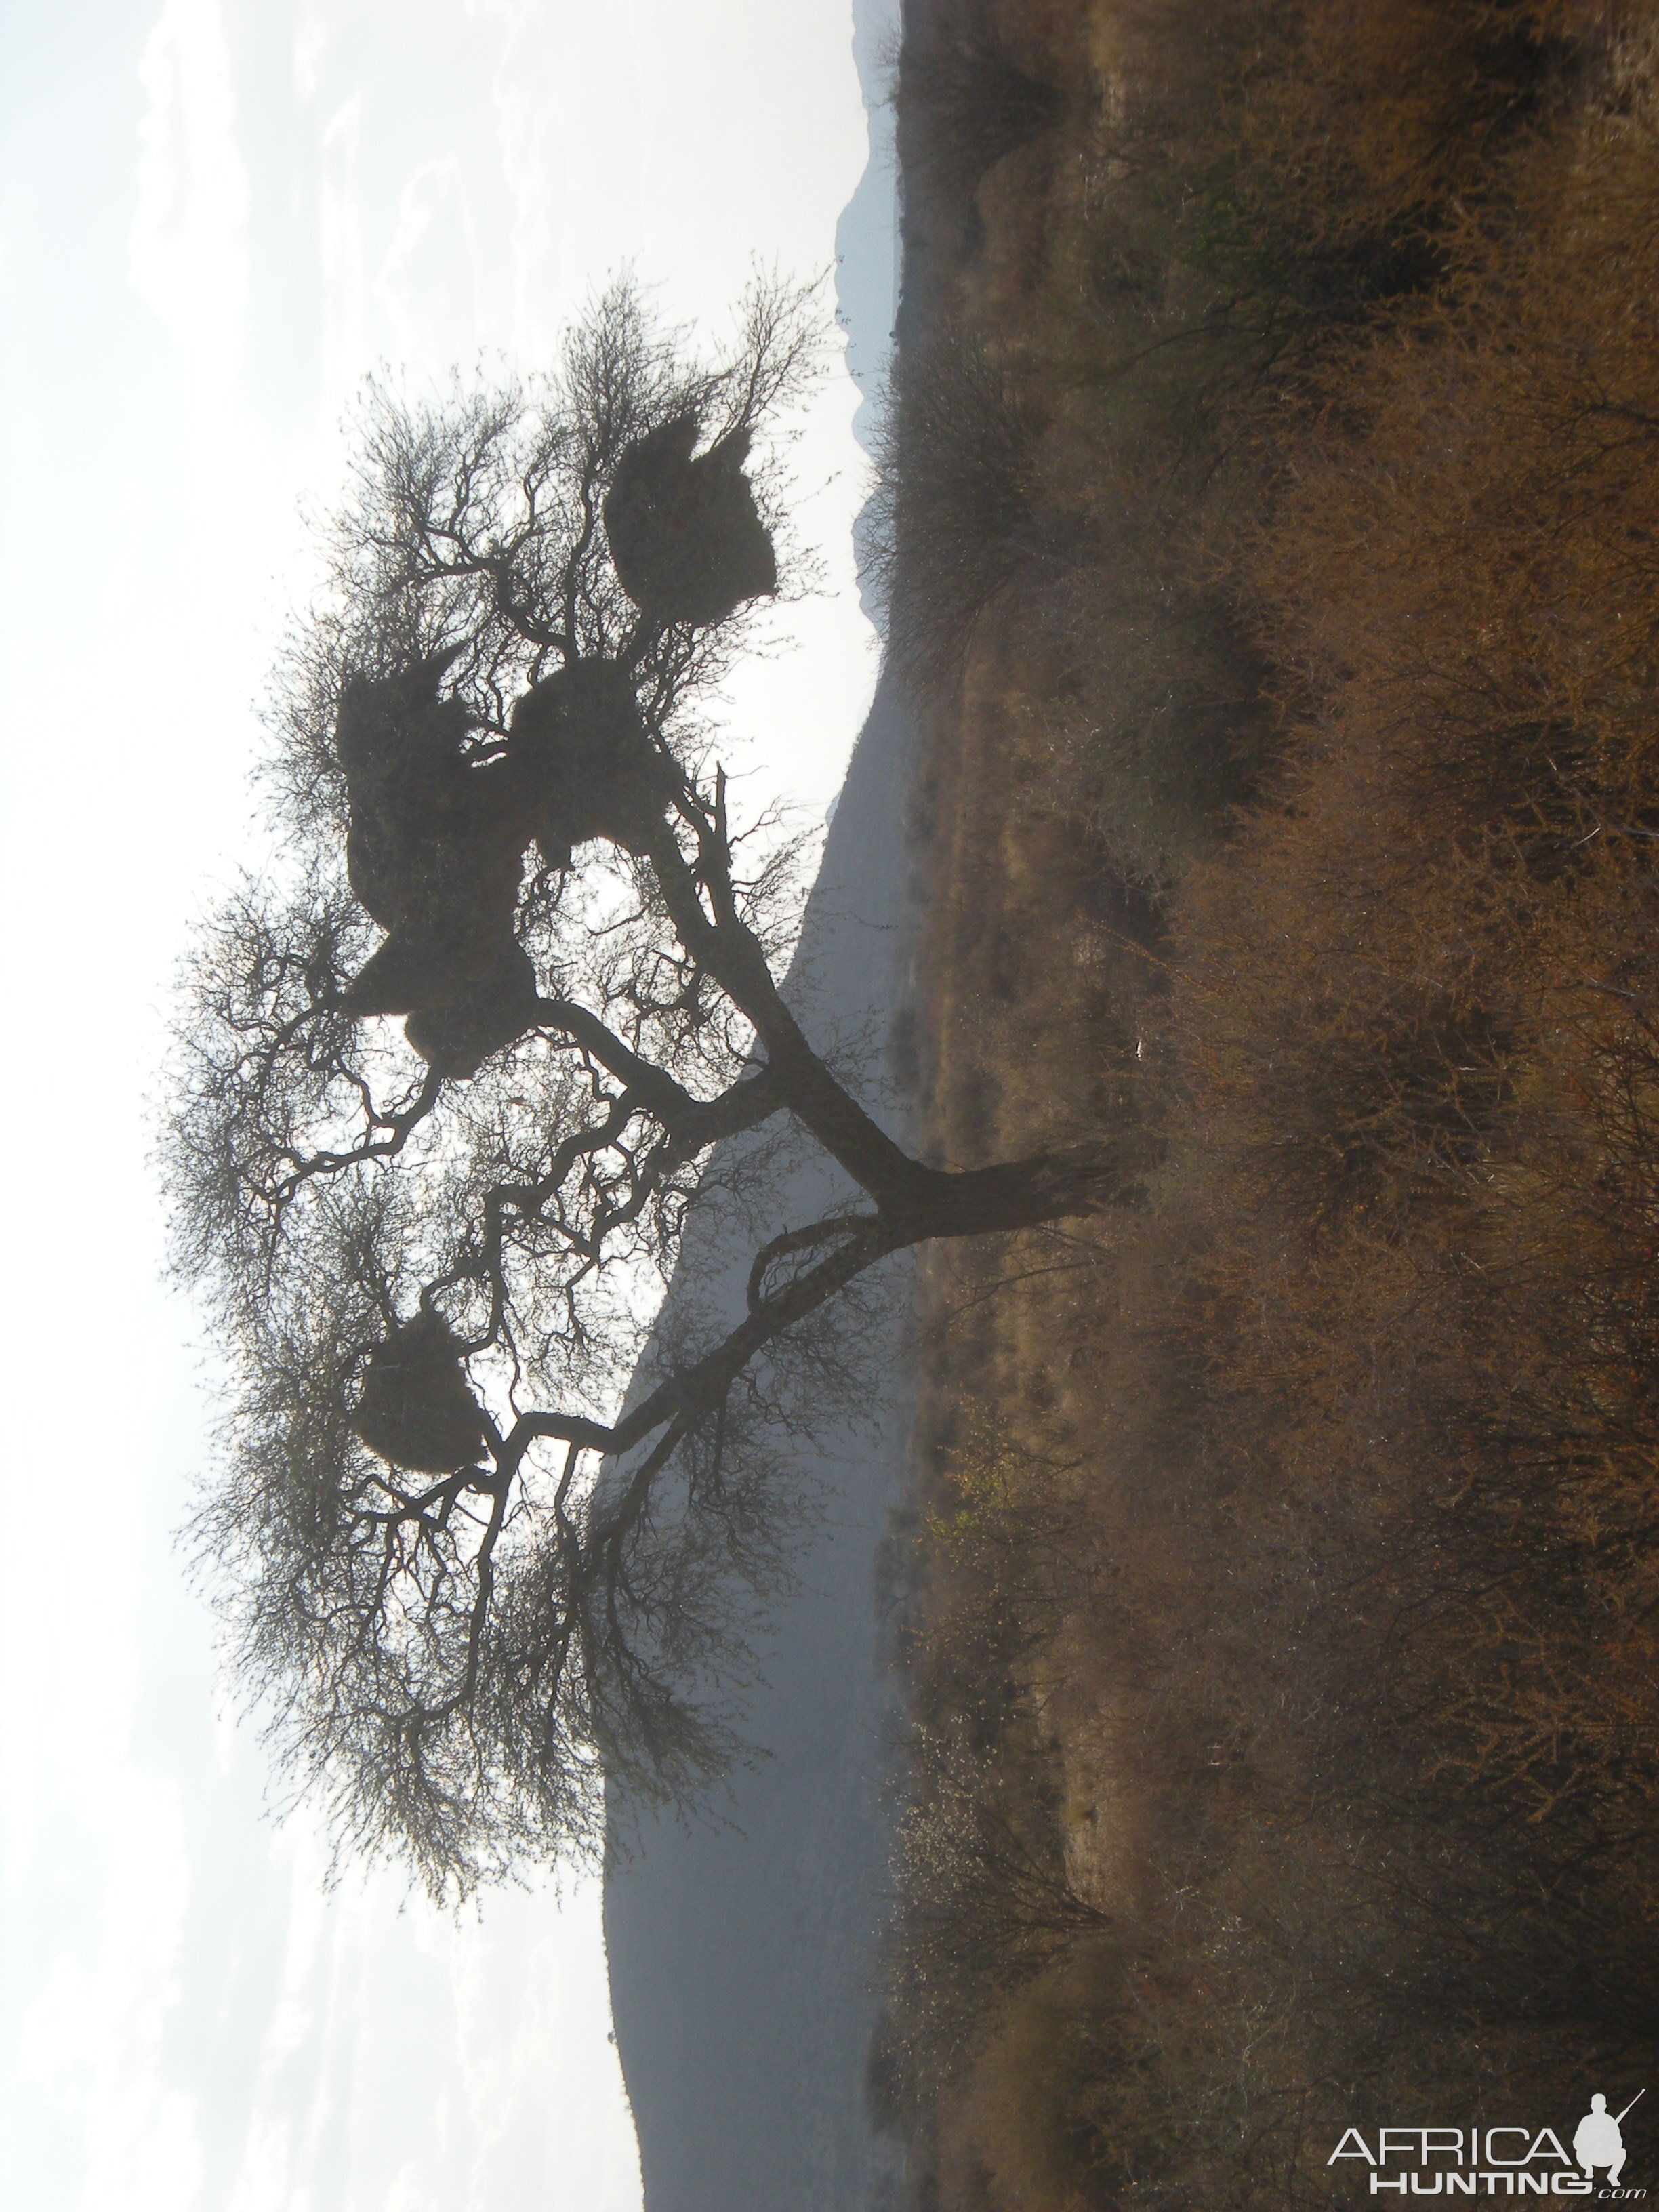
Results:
<point x="1475" y="581"/>
<point x="967" y="98"/>
<point x="1017" y="2106"/>
<point x="1008" y="1520"/>
<point x="1318" y="151"/>
<point x="959" y="516"/>
<point x="985" y="1902"/>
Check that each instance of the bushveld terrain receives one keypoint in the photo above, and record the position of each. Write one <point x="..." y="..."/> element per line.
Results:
<point x="1273" y="532"/>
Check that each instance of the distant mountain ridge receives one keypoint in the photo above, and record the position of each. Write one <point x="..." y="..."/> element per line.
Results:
<point x="743" y="1957"/>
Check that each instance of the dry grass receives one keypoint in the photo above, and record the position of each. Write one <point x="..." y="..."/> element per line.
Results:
<point x="1289" y="1548"/>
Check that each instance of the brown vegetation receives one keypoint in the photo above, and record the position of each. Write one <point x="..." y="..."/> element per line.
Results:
<point x="1288" y="1563"/>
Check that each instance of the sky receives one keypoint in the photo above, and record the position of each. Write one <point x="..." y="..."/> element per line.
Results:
<point x="216" y="217"/>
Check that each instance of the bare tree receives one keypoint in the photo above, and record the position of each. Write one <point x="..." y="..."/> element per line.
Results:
<point x="434" y="1258"/>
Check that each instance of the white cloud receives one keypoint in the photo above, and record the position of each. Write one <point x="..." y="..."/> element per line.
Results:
<point x="312" y="40"/>
<point x="341" y="248"/>
<point x="92" y="2040"/>
<point x="188" y="256"/>
<point x="427" y="283"/>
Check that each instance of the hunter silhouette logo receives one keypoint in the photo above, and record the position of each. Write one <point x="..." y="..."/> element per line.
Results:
<point x="1598" y="2142"/>
<point x="1508" y="2162"/>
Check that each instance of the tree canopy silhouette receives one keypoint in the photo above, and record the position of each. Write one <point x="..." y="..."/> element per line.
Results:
<point x="460" y="1579"/>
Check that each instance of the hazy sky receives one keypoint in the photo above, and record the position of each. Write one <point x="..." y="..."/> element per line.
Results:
<point x="215" y="215"/>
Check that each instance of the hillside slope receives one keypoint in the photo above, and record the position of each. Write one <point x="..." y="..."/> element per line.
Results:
<point x="743" y="1950"/>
